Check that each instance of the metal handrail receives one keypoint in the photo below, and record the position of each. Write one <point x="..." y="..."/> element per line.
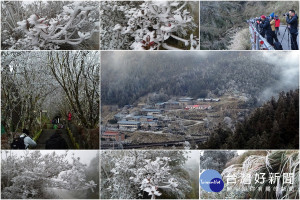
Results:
<point x="258" y="42"/>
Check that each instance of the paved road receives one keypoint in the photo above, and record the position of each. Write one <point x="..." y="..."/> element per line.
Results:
<point x="47" y="133"/>
<point x="156" y="144"/>
<point x="191" y="120"/>
<point x="284" y="43"/>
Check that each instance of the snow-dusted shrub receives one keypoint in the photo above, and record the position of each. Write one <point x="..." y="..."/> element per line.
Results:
<point x="73" y="24"/>
<point x="28" y="176"/>
<point x="155" y="175"/>
<point x="140" y="174"/>
<point x="148" y="25"/>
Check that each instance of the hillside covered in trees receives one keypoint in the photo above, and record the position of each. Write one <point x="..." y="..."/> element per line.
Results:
<point x="272" y="126"/>
<point x="128" y="76"/>
<point x="242" y="82"/>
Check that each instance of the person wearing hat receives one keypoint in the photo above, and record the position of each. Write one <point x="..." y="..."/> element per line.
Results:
<point x="262" y="30"/>
<point x="266" y="26"/>
<point x="277" y="25"/>
<point x="272" y="23"/>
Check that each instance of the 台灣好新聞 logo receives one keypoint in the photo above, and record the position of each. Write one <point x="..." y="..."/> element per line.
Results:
<point x="211" y="181"/>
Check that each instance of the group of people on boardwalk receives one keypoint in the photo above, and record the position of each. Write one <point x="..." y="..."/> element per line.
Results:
<point x="269" y="28"/>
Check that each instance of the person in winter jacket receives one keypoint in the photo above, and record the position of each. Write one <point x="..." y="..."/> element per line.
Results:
<point x="69" y="117"/>
<point x="265" y="25"/>
<point x="277" y="25"/>
<point x="27" y="139"/>
<point x="292" y="21"/>
<point x="272" y="23"/>
<point x="259" y="26"/>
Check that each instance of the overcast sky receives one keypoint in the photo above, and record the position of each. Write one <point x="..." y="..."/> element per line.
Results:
<point x="194" y="157"/>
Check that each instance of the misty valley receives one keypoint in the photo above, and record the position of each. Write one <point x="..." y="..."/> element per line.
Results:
<point x="192" y="100"/>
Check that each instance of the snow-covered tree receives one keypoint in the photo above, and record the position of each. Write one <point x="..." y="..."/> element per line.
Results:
<point x="186" y="145"/>
<point x="58" y="82"/>
<point x="228" y="122"/>
<point x="155" y="175"/>
<point x="140" y="174"/>
<point x="78" y="75"/>
<point x="72" y="24"/>
<point x="216" y="159"/>
<point x="149" y="25"/>
<point x="29" y="175"/>
<point x="25" y="85"/>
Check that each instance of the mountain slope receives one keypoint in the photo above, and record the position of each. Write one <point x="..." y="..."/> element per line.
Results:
<point x="275" y="125"/>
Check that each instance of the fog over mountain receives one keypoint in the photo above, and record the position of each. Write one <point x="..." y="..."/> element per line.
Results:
<point x="127" y="76"/>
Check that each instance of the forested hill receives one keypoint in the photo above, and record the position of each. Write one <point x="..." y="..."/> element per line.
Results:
<point x="220" y="19"/>
<point x="128" y="76"/>
<point x="274" y="125"/>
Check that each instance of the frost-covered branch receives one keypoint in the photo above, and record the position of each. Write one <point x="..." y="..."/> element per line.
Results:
<point x="76" y="23"/>
<point x="29" y="175"/>
<point x="145" y="26"/>
<point x="134" y="174"/>
<point x="153" y="176"/>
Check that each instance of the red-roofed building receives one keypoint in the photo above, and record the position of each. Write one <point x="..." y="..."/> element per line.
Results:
<point x="114" y="135"/>
<point x="198" y="107"/>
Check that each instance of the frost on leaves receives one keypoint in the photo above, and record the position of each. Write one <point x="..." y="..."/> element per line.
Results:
<point x="142" y="174"/>
<point x="72" y="24"/>
<point x="146" y="25"/>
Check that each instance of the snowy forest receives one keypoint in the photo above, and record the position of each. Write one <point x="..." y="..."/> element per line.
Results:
<point x="149" y="25"/>
<point x="49" y="25"/>
<point x="128" y="76"/>
<point x="263" y="84"/>
<point x="49" y="174"/>
<point x="149" y="174"/>
<point x="242" y="172"/>
<point x="275" y="125"/>
<point x="39" y="87"/>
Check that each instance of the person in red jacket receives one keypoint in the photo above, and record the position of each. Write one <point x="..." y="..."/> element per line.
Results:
<point x="69" y="118"/>
<point x="277" y="25"/>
